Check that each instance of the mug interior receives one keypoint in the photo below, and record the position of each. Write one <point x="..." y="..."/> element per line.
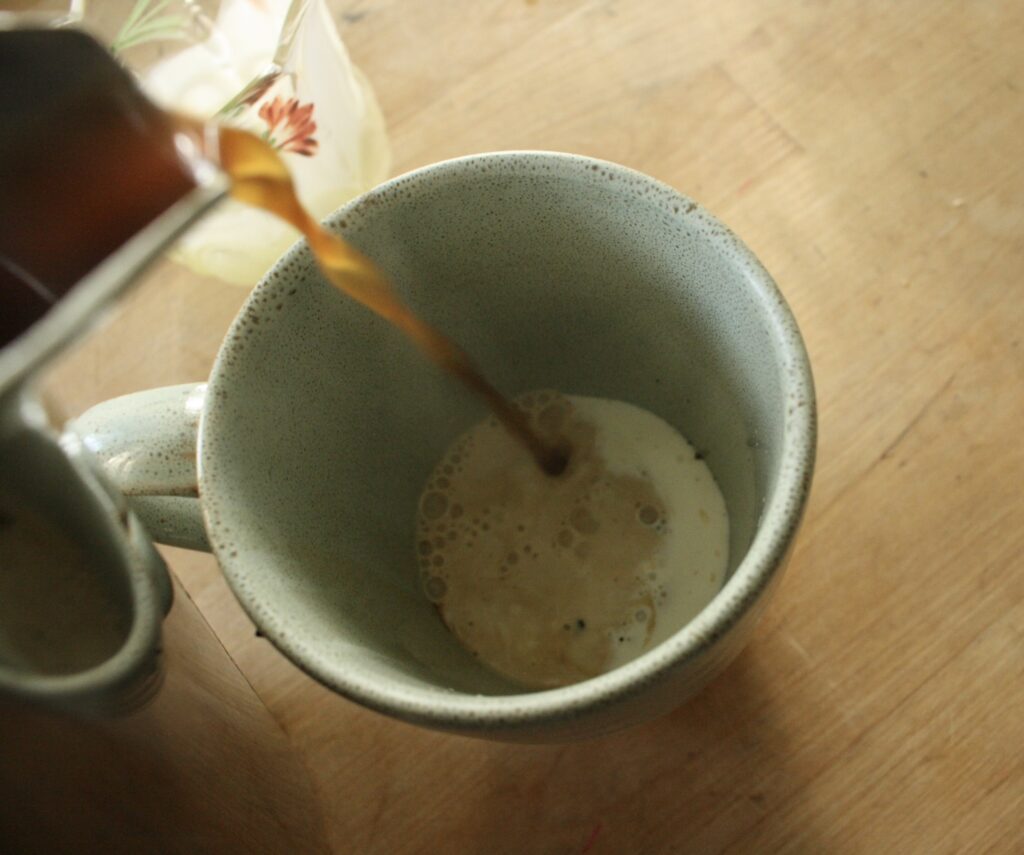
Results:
<point x="553" y="271"/>
<point x="65" y="604"/>
<point x="81" y="595"/>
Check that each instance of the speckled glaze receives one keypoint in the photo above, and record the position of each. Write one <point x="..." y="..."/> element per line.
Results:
<point x="321" y="422"/>
<point x="146" y="444"/>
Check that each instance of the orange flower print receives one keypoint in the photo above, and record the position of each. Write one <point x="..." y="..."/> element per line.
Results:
<point x="293" y="121"/>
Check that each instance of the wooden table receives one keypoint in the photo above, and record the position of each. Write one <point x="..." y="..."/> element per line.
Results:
<point x="872" y="155"/>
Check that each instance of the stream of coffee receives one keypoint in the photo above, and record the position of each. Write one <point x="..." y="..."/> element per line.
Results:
<point x="87" y="161"/>
<point x="259" y="177"/>
<point x="545" y="580"/>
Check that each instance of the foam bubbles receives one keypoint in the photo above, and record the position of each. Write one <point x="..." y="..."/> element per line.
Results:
<point x="553" y="580"/>
<point x="434" y="505"/>
<point x="583" y="520"/>
<point x="648" y="515"/>
<point x="435" y="588"/>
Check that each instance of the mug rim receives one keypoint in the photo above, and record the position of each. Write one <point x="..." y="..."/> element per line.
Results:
<point x="764" y="556"/>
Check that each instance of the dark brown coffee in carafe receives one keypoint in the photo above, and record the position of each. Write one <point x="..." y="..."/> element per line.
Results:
<point x="86" y="161"/>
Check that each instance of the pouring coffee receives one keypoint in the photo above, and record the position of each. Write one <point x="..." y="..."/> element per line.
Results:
<point x="551" y="444"/>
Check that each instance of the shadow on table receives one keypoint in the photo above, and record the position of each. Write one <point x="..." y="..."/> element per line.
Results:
<point x="203" y="769"/>
<point x="711" y="772"/>
<point x="718" y="772"/>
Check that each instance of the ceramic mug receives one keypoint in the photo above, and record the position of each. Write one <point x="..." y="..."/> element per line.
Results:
<point x="301" y="462"/>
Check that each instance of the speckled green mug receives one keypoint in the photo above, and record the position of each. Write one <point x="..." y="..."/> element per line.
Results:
<point x="320" y="424"/>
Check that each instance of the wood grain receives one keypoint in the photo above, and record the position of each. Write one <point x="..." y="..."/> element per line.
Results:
<point x="870" y="153"/>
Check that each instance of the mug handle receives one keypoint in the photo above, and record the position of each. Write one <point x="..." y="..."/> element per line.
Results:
<point x="145" y="444"/>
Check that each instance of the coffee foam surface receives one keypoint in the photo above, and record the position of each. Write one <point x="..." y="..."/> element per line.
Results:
<point x="552" y="580"/>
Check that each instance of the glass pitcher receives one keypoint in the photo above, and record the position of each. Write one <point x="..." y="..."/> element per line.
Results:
<point x="277" y="68"/>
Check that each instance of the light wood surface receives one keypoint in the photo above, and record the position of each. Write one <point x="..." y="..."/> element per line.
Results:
<point x="872" y="155"/>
